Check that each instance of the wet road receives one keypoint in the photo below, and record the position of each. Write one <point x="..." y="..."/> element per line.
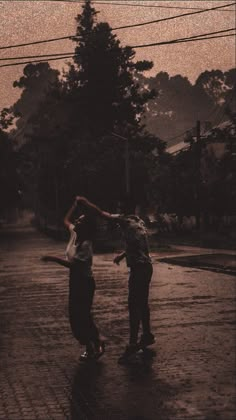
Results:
<point x="193" y="318"/>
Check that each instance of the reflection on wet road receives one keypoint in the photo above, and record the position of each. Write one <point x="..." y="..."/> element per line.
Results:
<point x="193" y="318"/>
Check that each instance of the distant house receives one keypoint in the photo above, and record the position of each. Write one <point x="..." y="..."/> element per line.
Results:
<point x="179" y="147"/>
<point x="218" y="140"/>
<point x="221" y="139"/>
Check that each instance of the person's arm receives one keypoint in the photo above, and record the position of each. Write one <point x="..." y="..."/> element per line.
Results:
<point x="95" y="209"/>
<point x="68" y="216"/>
<point x="119" y="258"/>
<point x="50" y="258"/>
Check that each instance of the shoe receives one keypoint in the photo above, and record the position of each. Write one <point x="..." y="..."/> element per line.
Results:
<point x="99" y="350"/>
<point x="86" y="356"/>
<point x="146" y="340"/>
<point x="130" y="354"/>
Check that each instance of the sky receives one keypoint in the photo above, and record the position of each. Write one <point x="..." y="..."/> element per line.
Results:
<point x="27" y="21"/>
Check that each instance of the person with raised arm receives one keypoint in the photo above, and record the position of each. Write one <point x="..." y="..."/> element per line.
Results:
<point x="79" y="257"/>
<point x="138" y="260"/>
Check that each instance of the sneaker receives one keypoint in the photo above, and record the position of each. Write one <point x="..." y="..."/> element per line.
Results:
<point x="146" y="340"/>
<point x="99" y="350"/>
<point x="86" y="356"/>
<point x="130" y="354"/>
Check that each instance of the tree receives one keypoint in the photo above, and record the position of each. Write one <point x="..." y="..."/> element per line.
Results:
<point x="102" y="77"/>
<point x="9" y="182"/>
<point x="217" y="83"/>
<point x="180" y="103"/>
<point x="70" y="143"/>
<point x="35" y="83"/>
<point x="106" y="97"/>
<point x="218" y="168"/>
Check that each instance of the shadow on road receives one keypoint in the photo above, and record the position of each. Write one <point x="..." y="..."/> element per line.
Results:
<point x="84" y="398"/>
<point x="129" y="396"/>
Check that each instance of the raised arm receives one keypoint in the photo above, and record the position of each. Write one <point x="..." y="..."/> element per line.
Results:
<point x="69" y="214"/>
<point x="94" y="208"/>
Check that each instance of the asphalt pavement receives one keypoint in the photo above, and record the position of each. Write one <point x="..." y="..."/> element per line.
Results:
<point x="193" y="317"/>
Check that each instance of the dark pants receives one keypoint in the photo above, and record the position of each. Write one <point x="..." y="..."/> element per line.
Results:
<point x="81" y="292"/>
<point x="139" y="280"/>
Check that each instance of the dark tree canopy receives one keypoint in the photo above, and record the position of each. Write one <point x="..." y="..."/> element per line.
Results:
<point x="179" y="103"/>
<point x="69" y="126"/>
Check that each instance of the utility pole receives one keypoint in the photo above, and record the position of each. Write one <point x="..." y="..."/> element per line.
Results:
<point x="198" y="173"/>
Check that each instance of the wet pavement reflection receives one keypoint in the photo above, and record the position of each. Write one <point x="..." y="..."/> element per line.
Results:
<point x="190" y="375"/>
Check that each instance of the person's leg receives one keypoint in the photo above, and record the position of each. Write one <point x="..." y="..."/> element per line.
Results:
<point x="98" y="344"/>
<point x="146" y="275"/>
<point x="79" y="305"/>
<point x="93" y="330"/>
<point x="134" y="305"/>
<point x="73" y="303"/>
<point x="147" y="337"/>
<point x="134" y="320"/>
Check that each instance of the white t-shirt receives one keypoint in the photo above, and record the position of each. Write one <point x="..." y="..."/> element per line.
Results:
<point x="76" y="251"/>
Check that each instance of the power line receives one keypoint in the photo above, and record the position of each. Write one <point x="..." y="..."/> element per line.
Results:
<point x="199" y="36"/>
<point x="37" y="56"/>
<point x="113" y="3"/>
<point x="172" y="41"/>
<point x="117" y="28"/>
<point x="179" y="41"/>
<point x="37" y="42"/>
<point x="155" y="6"/>
<point x="36" y="61"/>
<point x="172" y="17"/>
<point x="71" y="53"/>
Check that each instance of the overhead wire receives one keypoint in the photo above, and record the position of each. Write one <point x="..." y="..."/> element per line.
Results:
<point x="153" y="6"/>
<point x="199" y="36"/>
<point x="37" y="56"/>
<point x="179" y="41"/>
<point x="36" y="61"/>
<point x="59" y="56"/>
<point x="74" y="55"/>
<point x="43" y="41"/>
<point x="124" y="3"/>
<point x="118" y="28"/>
<point x="135" y="25"/>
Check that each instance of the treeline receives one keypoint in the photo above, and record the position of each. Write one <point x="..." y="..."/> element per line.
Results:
<point x="180" y="103"/>
<point x="67" y="133"/>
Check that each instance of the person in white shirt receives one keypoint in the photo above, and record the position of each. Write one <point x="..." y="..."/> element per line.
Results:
<point x="79" y="254"/>
<point x="139" y="261"/>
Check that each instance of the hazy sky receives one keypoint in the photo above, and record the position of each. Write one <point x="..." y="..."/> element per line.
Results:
<point x="26" y="21"/>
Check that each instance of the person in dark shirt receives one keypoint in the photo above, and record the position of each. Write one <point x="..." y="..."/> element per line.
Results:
<point x="138" y="260"/>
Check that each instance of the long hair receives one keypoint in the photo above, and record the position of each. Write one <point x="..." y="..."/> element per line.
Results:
<point x="85" y="227"/>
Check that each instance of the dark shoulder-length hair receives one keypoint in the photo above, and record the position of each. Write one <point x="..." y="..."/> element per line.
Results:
<point x="86" y="227"/>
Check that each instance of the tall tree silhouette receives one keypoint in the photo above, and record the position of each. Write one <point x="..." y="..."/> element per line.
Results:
<point x="70" y="142"/>
<point x="104" y="74"/>
<point x="105" y="96"/>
